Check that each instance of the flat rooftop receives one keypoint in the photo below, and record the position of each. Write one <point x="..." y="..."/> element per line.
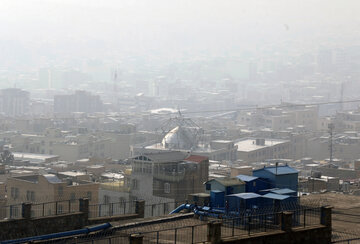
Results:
<point x="34" y="157"/>
<point x="249" y="145"/>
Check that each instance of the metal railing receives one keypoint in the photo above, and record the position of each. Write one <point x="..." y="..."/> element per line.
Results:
<point x="186" y="234"/>
<point x="11" y="211"/>
<point x="43" y="209"/>
<point x="54" y="208"/>
<point x="248" y="224"/>
<point x="306" y="217"/>
<point x="159" y="209"/>
<point x="111" y="209"/>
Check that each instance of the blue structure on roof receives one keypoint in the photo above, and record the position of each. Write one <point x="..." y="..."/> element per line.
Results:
<point x="253" y="183"/>
<point x="241" y="201"/>
<point x="217" y="199"/>
<point x="276" y="200"/>
<point x="279" y="176"/>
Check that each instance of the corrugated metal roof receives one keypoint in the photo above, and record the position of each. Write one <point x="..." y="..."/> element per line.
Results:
<point x="283" y="191"/>
<point x="246" y="178"/>
<point x="280" y="170"/>
<point x="275" y="196"/>
<point x="228" y="181"/>
<point x="246" y="195"/>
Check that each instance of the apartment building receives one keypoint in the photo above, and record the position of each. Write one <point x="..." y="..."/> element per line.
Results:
<point x="260" y="149"/>
<point x="288" y="115"/>
<point x="14" y="102"/>
<point x="48" y="188"/>
<point x="167" y="176"/>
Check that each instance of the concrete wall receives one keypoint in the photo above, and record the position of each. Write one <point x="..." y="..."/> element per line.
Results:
<point x="19" y="228"/>
<point x="27" y="226"/>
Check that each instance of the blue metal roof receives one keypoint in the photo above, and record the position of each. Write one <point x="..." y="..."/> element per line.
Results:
<point x="280" y="170"/>
<point x="283" y="191"/>
<point x="276" y="196"/>
<point x="246" y="195"/>
<point x="246" y="178"/>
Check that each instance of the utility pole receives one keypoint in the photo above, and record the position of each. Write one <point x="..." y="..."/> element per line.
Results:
<point x="331" y="130"/>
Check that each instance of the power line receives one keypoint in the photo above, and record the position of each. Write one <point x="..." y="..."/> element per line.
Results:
<point x="267" y="107"/>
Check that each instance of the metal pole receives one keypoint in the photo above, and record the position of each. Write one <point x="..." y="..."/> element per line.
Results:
<point x="175" y="235"/>
<point x="192" y="234"/>
<point x="233" y="227"/>
<point x="157" y="237"/>
<point x="265" y="222"/>
<point x="304" y="218"/>
<point x="56" y="208"/>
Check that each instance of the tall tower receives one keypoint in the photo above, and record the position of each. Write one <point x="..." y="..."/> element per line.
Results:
<point x="331" y="130"/>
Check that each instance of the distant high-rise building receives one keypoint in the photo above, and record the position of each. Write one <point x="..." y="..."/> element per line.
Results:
<point x="81" y="101"/>
<point x="14" y="102"/>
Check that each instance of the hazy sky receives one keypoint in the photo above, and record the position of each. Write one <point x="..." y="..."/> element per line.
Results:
<point x="176" y="24"/>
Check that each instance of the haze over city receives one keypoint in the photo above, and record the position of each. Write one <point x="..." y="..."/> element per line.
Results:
<point x="155" y="121"/>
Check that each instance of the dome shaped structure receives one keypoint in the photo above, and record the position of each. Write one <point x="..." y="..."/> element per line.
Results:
<point x="180" y="138"/>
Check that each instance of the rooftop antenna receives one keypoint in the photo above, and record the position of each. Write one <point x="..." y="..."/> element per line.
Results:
<point x="115" y="79"/>
<point x="179" y="112"/>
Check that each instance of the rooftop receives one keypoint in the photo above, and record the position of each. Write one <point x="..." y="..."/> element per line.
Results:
<point x="228" y="181"/>
<point x="283" y="191"/>
<point x="162" y="157"/>
<point x="246" y="178"/>
<point x="246" y="195"/>
<point x="275" y="196"/>
<point x="196" y="158"/>
<point x="280" y="170"/>
<point x="249" y="145"/>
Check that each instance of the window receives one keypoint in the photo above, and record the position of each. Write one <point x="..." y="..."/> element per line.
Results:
<point x="30" y="196"/>
<point x="14" y="192"/>
<point x="60" y="191"/>
<point x="166" y="187"/>
<point x="134" y="184"/>
<point x="89" y="195"/>
<point x="208" y="187"/>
